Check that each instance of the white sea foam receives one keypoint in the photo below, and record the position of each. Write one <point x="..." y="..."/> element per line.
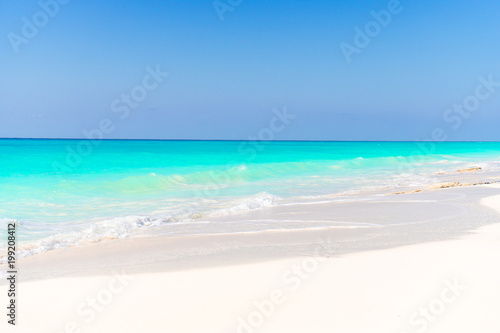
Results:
<point x="256" y="202"/>
<point x="115" y="228"/>
<point x="122" y="227"/>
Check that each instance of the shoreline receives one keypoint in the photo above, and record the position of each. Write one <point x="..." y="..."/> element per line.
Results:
<point x="205" y="224"/>
<point x="351" y="280"/>
<point x="430" y="215"/>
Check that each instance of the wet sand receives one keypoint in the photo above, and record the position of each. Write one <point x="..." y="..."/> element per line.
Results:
<point x="373" y="265"/>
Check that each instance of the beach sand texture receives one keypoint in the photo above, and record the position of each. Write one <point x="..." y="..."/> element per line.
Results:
<point x="395" y="277"/>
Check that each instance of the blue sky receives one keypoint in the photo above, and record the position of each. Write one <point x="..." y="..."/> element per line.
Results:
<point x="226" y="76"/>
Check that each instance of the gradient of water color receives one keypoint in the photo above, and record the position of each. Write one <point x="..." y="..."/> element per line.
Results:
<point x="60" y="197"/>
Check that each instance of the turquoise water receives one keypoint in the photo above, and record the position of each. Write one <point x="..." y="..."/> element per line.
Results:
<point x="65" y="192"/>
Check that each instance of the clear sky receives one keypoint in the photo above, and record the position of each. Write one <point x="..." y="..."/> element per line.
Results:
<point x="64" y="70"/>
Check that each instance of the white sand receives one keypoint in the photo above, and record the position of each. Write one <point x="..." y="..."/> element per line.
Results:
<point x="373" y="291"/>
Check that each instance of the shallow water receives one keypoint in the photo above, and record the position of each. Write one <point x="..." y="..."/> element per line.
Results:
<point x="66" y="192"/>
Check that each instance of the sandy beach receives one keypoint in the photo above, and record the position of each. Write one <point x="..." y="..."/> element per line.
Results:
<point x="427" y="263"/>
<point x="235" y="166"/>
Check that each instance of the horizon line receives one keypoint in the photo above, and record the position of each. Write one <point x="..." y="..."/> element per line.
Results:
<point x="237" y="140"/>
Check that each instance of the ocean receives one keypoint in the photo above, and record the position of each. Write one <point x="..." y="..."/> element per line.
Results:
<point x="70" y="192"/>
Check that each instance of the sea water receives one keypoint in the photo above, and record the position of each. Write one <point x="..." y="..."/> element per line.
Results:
<point x="68" y="192"/>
